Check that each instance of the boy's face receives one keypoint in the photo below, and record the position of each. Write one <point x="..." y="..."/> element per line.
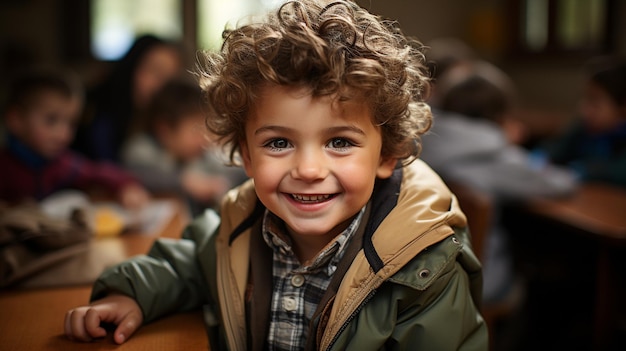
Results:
<point x="600" y="112"/>
<point x="187" y="140"/>
<point x="48" y="126"/>
<point x="314" y="162"/>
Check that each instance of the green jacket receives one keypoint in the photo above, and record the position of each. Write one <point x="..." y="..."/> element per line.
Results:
<point x="409" y="279"/>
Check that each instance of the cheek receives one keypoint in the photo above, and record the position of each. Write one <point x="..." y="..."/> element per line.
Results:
<point x="146" y="84"/>
<point x="267" y="175"/>
<point x="265" y="172"/>
<point x="197" y="140"/>
<point x="40" y="134"/>
<point x="189" y="151"/>
<point x="192" y="146"/>
<point x="357" y="178"/>
<point x="600" y="114"/>
<point x="266" y="187"/>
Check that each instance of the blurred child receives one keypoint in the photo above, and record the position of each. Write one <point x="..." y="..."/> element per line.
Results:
<point x="469" y="144"/>
<point x="595" y="145"/>
<point x="444" y="53"/>
<point x="40" y="118"/>
<point x="471" y="139"/>
<point x="114" y="104"/>
<point x="174" y="154"/>
<point x="342" y="240"/>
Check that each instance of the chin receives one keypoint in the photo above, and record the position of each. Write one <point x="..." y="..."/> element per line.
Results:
<point x="312" y="233"/>
<point x="313" y="230"/>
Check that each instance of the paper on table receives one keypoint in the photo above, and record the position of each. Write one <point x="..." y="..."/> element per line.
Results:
<point x="110" y="218"/>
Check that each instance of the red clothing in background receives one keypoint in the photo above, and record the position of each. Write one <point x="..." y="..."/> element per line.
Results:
<point x="29" y="177"/>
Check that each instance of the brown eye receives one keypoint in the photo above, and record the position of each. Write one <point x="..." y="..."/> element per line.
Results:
<point x="278" y="144"/>
<point x="339" y="143"/>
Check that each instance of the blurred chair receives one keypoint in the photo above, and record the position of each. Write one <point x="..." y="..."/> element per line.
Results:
<point x="479" y="209"/>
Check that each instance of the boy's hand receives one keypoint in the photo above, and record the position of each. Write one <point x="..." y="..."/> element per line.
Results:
<point x="83" y="323"/>
<point x="134" y="196"/>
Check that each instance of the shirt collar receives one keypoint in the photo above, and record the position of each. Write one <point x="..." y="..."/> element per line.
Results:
<point x="276" y="237"/>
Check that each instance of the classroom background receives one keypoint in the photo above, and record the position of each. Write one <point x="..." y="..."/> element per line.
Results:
<point x="567" y="293"/>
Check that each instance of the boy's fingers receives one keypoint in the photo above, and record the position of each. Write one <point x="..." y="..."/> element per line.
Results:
<point x="75" y="326"/>
<point x="127" y="327"/>
<point x="68" y="324"/>
<point x="93" y="318"/>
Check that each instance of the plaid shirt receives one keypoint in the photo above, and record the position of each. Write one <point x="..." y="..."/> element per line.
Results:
<point x="298" y="289"/>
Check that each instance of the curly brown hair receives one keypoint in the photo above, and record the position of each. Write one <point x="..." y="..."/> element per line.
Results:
<point x="333" y="48"/>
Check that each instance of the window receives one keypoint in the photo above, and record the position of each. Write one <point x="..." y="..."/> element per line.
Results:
<point x="564" y="26"/>
<point x="116" y="23"/>
<point x="214" y="15"/>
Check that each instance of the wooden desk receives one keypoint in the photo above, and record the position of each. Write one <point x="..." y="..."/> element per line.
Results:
<point x="598" y="211"/>
<point x="32" y="319"/>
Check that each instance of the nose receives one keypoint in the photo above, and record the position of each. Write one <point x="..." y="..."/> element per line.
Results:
<point x="311" y="165"/>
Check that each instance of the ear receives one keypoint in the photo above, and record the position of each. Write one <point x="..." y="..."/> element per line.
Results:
<point x="245" y="157"/>
<point x="386" y="167"/>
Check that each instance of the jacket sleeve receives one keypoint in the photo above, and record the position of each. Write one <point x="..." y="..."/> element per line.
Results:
<point x="169" y="278"/>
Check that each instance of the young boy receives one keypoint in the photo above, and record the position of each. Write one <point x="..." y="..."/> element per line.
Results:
<point x="338" y="241"/>
<point x="40" y="120"/>
<point x="594" y="145"/>
<point x="172" y="153"/>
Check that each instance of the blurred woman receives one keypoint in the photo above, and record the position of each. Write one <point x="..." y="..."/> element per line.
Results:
<point x="113" y="105"/>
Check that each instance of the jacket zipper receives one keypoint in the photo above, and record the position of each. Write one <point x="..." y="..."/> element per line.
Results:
<point x="350" y="318"/>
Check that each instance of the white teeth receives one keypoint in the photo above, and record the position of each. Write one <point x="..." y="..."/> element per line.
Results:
<point x="310" y="198"/>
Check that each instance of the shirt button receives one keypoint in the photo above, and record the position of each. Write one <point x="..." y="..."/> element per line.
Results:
<point x="297" y="280"/>
<point x="289" y="304"/>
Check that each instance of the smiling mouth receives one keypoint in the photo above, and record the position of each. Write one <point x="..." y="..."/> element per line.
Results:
<point x="311" y="199"/>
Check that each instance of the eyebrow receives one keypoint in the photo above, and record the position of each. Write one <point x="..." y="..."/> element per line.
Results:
<point x="271" y="128"/>
<point x="331" y="130"/>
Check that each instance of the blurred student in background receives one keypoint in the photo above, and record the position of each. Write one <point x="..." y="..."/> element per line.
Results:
<point x="444" y="53"/>
<point x="172" y="153"/>
<point x="113" y="105"/>
<point x="594" y="146"/>
<point x="470" y="143"/>
<point x="41" y="114"/>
